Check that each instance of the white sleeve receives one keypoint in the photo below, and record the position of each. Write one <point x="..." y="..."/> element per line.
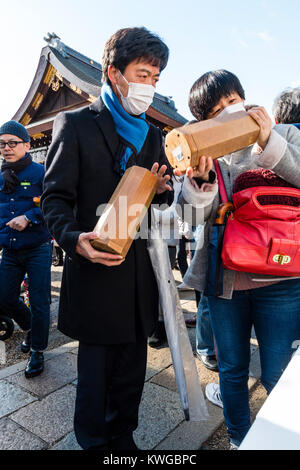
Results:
<point x="198" y="197"/>
<point x="273" y="152"/>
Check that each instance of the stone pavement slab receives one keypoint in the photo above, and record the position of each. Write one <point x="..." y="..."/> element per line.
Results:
<point x="12" y="398"/>
<point x="166" y="378"/>
<point x="160" y="412"/>
<point x="52" y="417"/>
<point x="15" y="368"/>
<point x="58" y="372"/>
<point x="13" y="437"/>
<point x="189" y="305"/>
<point x="69" y="442"/>
<point x="191" y="435"/>
<point x="157" y="359"/>
<point x="64" y="348"/>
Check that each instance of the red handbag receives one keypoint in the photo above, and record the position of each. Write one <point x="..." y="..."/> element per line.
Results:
<point x="263" y="239"/>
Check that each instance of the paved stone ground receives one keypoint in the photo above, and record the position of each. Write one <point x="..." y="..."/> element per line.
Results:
<point x="38" y="413"/>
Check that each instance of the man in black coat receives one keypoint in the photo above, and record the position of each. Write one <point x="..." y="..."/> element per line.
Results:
<point x="108" y="303"/>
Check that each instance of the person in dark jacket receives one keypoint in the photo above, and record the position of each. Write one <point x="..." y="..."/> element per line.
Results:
<point x="26" y="243"/>
<point x="108" y="303"/>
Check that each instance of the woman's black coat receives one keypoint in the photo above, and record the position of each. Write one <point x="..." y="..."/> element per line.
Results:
<point x="98" y="304"/>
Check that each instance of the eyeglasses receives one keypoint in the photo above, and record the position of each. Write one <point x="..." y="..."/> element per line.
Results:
<point x="12" y="143"/>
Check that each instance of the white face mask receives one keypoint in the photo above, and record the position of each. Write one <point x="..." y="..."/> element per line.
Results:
<point x="139" y="98"/>
<point x="234" y="108"/>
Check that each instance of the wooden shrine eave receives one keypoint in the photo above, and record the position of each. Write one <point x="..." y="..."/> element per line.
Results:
<point x="64" y="72"/>
<point x="162" y="118"/>
<point x="40" y="126"/>
<point x="46" y="76"/>
<point x="47" y="123"/>
<point x="40" y="83"/>
<point x="64" y="83"/>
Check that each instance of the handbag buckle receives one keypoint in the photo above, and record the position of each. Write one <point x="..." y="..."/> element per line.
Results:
<point x="281" y="259"/>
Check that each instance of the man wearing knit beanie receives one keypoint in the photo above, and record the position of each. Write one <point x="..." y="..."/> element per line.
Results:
<point x="16" y="129"/>
<point x="26" y="243"/>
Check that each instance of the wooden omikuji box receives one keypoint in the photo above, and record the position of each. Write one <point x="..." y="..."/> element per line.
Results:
<point x="117" y="226"/>
<point x="213" y="138"/>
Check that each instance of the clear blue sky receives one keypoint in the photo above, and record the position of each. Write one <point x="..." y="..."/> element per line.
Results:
<point x="258" y="40"/>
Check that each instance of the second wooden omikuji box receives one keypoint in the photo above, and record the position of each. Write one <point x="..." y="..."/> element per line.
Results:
<point x="212" y="138"/>
<point x="125" y="211"/>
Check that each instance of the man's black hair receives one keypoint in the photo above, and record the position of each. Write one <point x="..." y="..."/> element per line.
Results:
<point x="209" y="89"/>
<point x="286" y="107"/>
<point x="130" y="44"/>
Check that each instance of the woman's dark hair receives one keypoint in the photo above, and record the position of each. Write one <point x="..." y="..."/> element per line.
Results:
<point x="209" y="89"/>
<point x="130" y="44"/>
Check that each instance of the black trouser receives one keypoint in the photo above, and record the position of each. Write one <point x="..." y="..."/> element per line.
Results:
<point x="172" y="255"/>
<point x="109" y="390"/>
<point x="182" y="255"/>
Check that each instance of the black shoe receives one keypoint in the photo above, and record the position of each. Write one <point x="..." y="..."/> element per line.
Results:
<point x="124" y="442"/>
<point x="35" y="364"/>
<point x="210" y="362"/>
<point x="25" y="346"/>
<point x="98" y="448"/>
<point x="191" y="322"/>
<point x="159" y="336"/>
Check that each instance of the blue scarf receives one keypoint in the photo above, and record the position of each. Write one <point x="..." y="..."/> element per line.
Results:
<point x="132" y="129"/>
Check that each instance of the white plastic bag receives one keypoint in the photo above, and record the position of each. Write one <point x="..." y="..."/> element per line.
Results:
<point x="189" y="388"/>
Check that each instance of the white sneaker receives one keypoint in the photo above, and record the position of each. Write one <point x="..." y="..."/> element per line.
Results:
<point x="183" y="286"/>
<point x="213" y="394"/>
<point x="233" y="446"/>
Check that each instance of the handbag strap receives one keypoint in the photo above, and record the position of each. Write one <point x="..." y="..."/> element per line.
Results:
<point x="221" y="184"/>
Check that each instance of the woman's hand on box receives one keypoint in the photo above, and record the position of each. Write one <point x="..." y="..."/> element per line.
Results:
<point x="260" y="115"/>
<point x="200" y="171"/>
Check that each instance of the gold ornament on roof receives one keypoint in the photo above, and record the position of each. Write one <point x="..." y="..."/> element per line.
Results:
<point x="59" y="76"/>
<point x="55" y="85"/>
<point x="49" y="75"/>
<point x="57" y="81"/>
<point x="38" y="135"/>
<point x="25" y="119"/>
<point x="37" y="100"/>
<point x="75" y="88"/>
<point x="92" y="98"/>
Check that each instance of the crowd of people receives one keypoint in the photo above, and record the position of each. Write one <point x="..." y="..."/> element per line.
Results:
<point x="110" y="304"/>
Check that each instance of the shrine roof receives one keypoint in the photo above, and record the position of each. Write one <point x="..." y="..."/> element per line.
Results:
<point x="84" y="74"/>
